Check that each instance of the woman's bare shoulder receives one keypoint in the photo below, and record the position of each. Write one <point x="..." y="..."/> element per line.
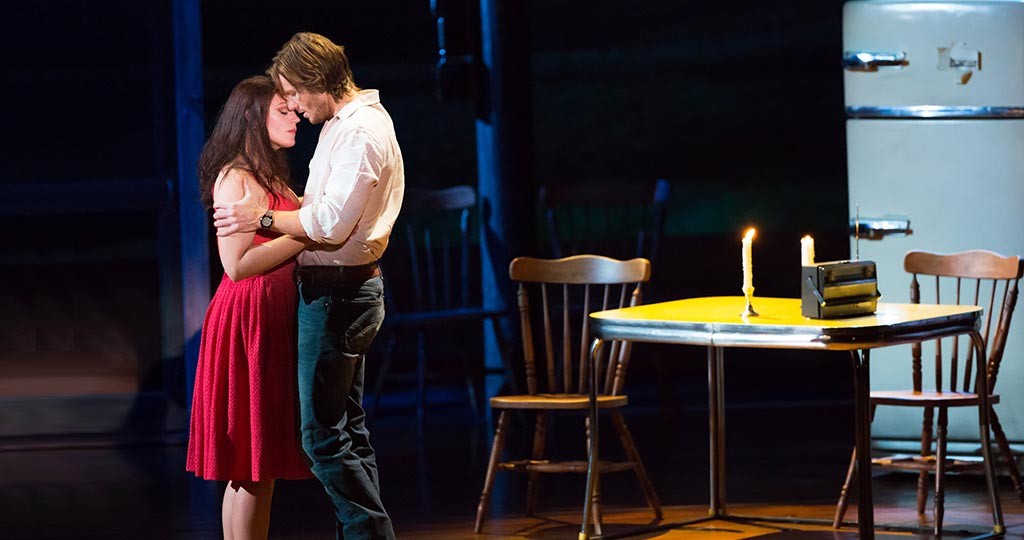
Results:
<point x="232" y="184"/>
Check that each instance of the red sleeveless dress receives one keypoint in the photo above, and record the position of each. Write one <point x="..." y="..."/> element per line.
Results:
<point x="245" y="404"/>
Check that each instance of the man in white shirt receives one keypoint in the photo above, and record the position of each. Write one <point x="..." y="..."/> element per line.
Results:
<point x="353" y="195"/>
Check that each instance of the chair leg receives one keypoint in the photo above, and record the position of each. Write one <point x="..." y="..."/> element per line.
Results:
<point x="421" y="377"/>
<point x="492" y="469"/>
<point x="595" y="497"/>
<point x="1004" y="450"/>
<point x="844" y="492"/>
<point x="940" y="471"/>
<point x="539" y="436"/>
<point x="926" y="451"/>
<point x="382" y="373"/>
<point x="633" y="455"/>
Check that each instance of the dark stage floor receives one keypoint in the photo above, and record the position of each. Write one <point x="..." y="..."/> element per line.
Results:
<point x="775" y="461"/>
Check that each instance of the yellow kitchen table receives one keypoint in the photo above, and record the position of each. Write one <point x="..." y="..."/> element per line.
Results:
<point x="718" y="323"/>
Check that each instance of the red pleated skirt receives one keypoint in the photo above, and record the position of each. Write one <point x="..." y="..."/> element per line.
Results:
<point x="244" y="423"/>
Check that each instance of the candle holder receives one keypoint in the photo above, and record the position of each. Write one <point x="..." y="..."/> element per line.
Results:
<point x="748" y="292"/>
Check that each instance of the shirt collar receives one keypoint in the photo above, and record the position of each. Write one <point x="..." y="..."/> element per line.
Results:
<point x="362" y="99"/>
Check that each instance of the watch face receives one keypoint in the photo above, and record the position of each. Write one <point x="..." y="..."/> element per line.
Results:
<point x="266" y="222"/>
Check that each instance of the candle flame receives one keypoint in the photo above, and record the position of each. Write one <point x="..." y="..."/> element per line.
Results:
<point x="749" y="235"/>
<point x="807" y="237"/>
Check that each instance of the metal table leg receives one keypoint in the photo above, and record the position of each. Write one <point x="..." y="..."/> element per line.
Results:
<point x="716" y="430"/>
<point x="592" y="459"/>
<point x="862" y="439"/>
<point x="981" y="386"/>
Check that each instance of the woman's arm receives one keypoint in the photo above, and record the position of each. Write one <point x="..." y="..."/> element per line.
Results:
<point x="239" y="257"/>
<point x="259" y="259"/>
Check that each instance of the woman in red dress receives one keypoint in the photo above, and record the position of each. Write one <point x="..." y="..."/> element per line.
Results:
<point x="244" y="413"/>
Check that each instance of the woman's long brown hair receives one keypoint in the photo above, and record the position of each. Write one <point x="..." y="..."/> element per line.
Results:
<point x="240" y="139"/>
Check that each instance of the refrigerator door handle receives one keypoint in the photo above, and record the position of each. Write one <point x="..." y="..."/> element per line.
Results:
<point x="871" y="61"/>
<point x="878" y="228"/>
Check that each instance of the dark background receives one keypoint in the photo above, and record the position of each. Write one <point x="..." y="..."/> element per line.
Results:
<point x="738" y="105"/>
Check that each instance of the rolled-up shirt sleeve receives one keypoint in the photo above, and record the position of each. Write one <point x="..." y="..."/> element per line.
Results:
<point x="356" y="162"/>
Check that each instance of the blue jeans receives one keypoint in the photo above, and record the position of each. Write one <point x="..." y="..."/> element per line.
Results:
<point x="337" y="323"/>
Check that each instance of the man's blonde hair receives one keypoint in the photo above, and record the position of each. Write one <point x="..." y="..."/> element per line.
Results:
<point x="313" y="63"/>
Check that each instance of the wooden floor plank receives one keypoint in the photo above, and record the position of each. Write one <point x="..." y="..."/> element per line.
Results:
<point x="432" y="485"/>
<point x="967" y="512"/>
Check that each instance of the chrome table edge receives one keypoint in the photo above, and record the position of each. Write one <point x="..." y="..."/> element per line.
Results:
<point x="784" y="337"/>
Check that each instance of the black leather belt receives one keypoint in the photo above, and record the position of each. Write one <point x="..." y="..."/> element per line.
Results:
<point x="336" y="275"/>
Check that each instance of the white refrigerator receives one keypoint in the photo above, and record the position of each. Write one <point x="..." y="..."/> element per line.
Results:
<point x="934" y="95"/>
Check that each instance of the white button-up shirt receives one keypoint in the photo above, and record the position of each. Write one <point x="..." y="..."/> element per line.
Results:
<point x="355" y="187"/>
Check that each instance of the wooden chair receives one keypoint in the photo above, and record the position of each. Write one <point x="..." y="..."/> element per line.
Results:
<point x="428" y="269"/>
<point x="973" y="277"/>
<point x="558" y="381"/>
<point x="620" y="220"/>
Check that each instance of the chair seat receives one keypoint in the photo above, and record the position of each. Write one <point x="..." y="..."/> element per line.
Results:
<point x="910" y="398"/>
<point x="556" y="401"/>
<point x="441" y="316"/>
<point x="911" y="462"/>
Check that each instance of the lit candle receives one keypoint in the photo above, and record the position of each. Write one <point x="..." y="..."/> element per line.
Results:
<point x="806" y="251"/>
<point x="748" y="262"/>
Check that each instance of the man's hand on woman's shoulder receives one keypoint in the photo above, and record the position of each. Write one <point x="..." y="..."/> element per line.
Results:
<point x="242" y="215"/>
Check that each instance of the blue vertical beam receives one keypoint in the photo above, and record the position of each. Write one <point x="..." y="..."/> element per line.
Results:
<point x="192" y="218"/>
<point x="504" y="163"/>
<point x="168" y="240"/>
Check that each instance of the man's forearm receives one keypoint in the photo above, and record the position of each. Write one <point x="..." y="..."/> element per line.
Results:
<point x="287" y="222"/>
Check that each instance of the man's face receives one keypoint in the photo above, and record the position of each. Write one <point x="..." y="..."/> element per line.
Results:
<point x="315" y="107"/>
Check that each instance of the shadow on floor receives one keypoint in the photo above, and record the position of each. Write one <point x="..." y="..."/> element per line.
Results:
<point x="793" y="454"/>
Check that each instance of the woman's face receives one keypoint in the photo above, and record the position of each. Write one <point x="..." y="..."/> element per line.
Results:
<point x="281" y="124"/>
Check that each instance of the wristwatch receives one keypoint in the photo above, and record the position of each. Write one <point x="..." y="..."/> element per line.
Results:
<point x="267" y="220"/>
